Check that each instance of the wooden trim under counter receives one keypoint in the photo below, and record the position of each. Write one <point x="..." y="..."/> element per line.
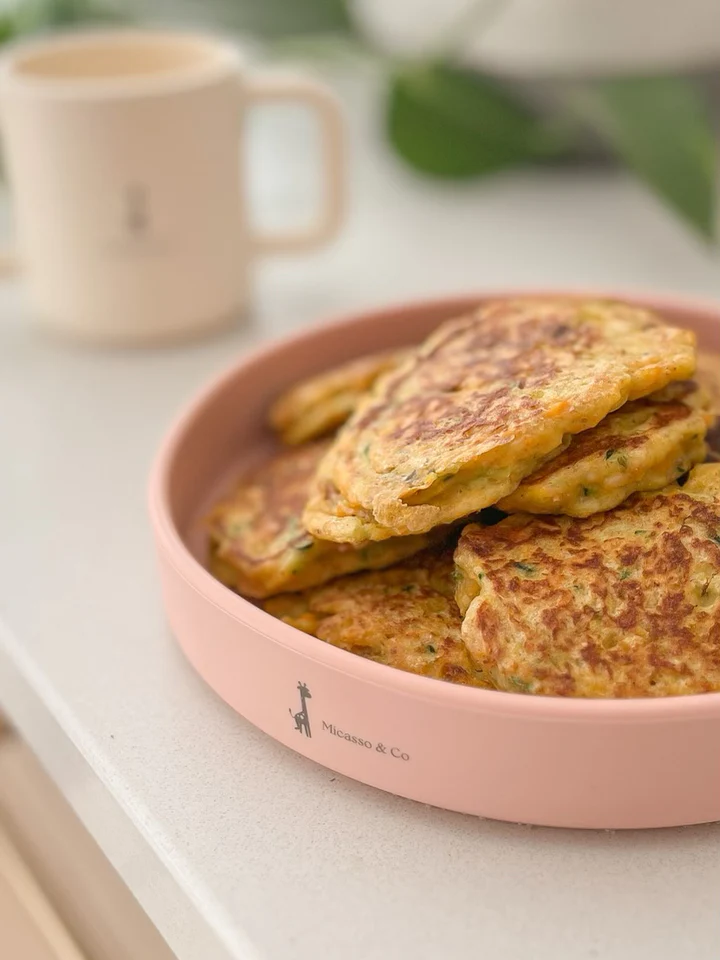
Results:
<point x="31" y="927"/>
<point x="60" y="898"/>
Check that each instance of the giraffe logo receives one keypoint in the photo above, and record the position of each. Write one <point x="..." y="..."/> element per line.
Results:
<point x="136" y="212"/>
<point x="302" y="718"/>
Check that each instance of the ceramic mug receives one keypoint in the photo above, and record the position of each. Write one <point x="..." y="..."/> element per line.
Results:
<point x="124" y="151"/>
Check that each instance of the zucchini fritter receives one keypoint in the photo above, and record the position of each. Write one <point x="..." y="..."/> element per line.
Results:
<point x="644" y="445"/>
<point x="620" y="604"/>
<point x="258" y="545"/>
<point x="320" y="404"/>
<point x="484" y="402"/>
<point x="405" y="617"/>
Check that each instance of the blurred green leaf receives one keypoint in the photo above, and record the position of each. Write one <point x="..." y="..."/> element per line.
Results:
<point x="660" y="127"/>
<point x="8" y="27"/>
<point x="272" y="19"/>
<point x="32" y="15"/>
<point x="455" y="123"/>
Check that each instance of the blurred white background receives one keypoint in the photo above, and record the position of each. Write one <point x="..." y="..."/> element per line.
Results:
<point x="558" y="36"/>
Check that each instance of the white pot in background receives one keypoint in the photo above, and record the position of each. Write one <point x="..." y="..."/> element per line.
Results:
<point x="551" y="37"/>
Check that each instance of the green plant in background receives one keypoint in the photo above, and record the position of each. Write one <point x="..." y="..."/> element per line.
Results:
<point x="448" y="121"/>
<point x="451" y="122"/>
<point x="30" y="16"/>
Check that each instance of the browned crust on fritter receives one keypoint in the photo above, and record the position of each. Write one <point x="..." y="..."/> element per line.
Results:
<point x="498" y="389"/>
<point x="274" y="495"/>
<point x="405" y="617"/>
<point x="320" y="404"/>
<point x="622" y="604"/>
<point x="591" y="442"/>
<point x="259" y="546"/>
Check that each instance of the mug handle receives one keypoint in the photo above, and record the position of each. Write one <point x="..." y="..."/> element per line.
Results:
<point x="270" y="88"/>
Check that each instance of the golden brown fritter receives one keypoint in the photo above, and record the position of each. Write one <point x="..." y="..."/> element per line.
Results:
<point x="620" y="604"/>
<point x="644" y="445"/>
<point x="484" y="402"/>
<point x="258" y="545"/>
<point x="405" y="617"/>
<point x="319" y="405"/>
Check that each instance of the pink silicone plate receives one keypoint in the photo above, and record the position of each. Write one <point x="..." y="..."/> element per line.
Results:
<point x="558" y="762"/>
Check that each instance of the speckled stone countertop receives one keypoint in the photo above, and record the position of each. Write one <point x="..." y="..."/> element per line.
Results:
<point x="236" y="847"/>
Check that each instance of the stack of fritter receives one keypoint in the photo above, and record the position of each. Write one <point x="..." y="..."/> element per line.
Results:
<point x="581" y="421"/>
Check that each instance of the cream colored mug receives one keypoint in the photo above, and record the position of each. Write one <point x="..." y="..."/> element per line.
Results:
<point x="124" y="152"/>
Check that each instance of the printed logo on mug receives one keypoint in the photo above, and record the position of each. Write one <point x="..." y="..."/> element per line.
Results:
<point x="124" y="152"/>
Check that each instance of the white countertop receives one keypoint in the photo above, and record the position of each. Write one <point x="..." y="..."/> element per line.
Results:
<point x="235" y="846"/>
